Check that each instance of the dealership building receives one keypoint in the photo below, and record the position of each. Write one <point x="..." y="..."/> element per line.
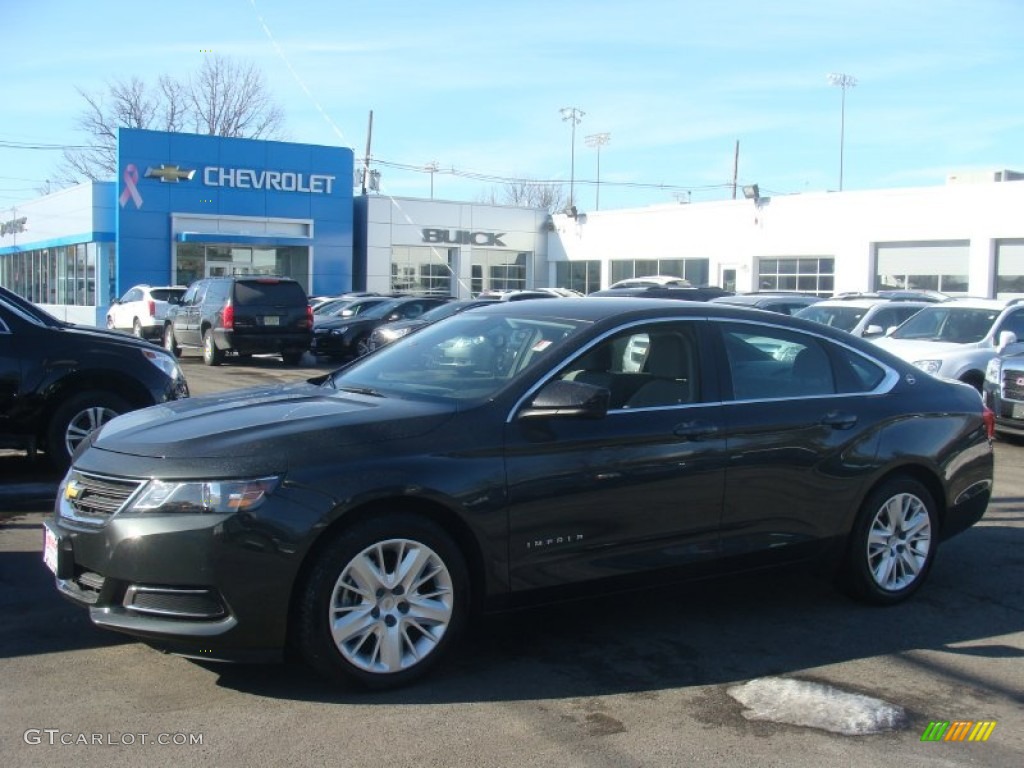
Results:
<point x="186" y="206"/>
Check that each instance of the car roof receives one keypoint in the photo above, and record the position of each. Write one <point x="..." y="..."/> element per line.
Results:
<point x="973" y="303"/>
<point x="868" y="303"/>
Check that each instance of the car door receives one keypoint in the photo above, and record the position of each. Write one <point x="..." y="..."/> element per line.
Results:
<point x="10" y="370"/>
<point x="186" y="322"/>
<point x="122" y="312"/>
<point x="637" y="490"/>
<point x="800" y="428"/>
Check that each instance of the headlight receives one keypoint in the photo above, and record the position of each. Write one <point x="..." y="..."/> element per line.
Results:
<point x="394" y="333"/>
<point x="215" y="496"/>
<point x="928" y="366"/>
<point x="164" y="362"/>
<point x="992" y="371"/>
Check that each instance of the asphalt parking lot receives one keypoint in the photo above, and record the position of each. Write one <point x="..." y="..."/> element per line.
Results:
<point x="646" y="679"/>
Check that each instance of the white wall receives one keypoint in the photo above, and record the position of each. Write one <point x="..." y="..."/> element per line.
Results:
<point x="845" y="225"/>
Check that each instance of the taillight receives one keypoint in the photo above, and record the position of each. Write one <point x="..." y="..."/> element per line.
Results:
<point x="227" y="317"/>
<point x="309" y="317"/>
<point x="989" y="417"/>
<point x="151" y="308"/>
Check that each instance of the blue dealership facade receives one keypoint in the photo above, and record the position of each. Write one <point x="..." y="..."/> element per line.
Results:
<point x="185" y="206"/>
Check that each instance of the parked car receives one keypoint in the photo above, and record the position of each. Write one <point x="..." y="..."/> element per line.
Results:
<point x="784" y="303"/>
<point x="1004" y="392"/>
<point x="865" y="317"/>
<point x="347" y="307"/>
<point x="652" y="280"/>
<point x="678" y="292"/>
<point x="342" y="337"/>
<point x="142" y="310"/>
<point x="956" y="339"/>
<point x="517" y="294"/>
<point x="490" y="458"/>
<point x="59" y="381"/>
<point x="389" y="332"/>
<point x="241" y="316"/>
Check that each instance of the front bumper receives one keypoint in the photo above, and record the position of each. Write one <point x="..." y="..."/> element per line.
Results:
<point x="212" y="586"/>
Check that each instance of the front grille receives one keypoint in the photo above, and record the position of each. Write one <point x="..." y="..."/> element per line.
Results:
<point x="1013" y="384"/>
<point x="92" y="499"/>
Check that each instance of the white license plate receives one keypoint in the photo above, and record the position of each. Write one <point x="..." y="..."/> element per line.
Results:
<point x="271" y="320"/>
<point x="50" y="549"/>
<point x="1018" y="410"/>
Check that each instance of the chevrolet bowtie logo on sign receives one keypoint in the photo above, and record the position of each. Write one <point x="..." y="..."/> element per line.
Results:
<point x="170" y="173"/>
<point x="958" y="730"/>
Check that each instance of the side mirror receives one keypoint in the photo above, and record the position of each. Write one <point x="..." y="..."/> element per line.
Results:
<point x="873" y="330"/>
<point x="571" y="399"/>
<point x="1006" y="338"/>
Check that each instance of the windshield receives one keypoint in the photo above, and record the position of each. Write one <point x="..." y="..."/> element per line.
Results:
<point x="465" y="357"/>
<point x="447" y="310"/>
<point x="28" y="309"/>
<point x="843" y="318"/>
<point x="957" y="325"/>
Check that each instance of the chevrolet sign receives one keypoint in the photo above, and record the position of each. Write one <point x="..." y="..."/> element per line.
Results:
<point x="169" y="174"/>
<point x="281" y="181"/>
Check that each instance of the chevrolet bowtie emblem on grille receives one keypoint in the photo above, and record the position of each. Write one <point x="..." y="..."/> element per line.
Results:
<point x="169" y="173"/>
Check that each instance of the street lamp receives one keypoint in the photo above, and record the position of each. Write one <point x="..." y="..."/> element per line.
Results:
<point x="842" y="81"/>
<point x="596" y="141"/>
<point x="574" y="116"/>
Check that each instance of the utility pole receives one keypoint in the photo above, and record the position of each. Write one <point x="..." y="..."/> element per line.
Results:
<point x="839" y="80"/>
<point x="735" y="168"/>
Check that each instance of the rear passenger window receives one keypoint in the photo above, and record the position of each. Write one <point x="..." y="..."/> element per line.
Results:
<point x="771" y="363"/>
<point x="276" y="293"/>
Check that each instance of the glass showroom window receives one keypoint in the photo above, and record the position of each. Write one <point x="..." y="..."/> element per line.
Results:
<point x="939" y="266"/>
<point x="1009" y="269"/>
<point x="694" y="270"/>
<point x="498" y="270"/>
<point x="582" y="276"/>
<point x="808" y="274"/>
<point x="415" y="269"/>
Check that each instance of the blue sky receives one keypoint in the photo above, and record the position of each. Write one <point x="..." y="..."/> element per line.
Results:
<point x="477" y="87"/>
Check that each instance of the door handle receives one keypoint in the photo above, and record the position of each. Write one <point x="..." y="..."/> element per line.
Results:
<point x="838" y="420"/>
<point x="694" y="430"/>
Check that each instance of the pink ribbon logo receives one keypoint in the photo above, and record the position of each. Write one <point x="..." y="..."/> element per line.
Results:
<point x="131" y="192"/>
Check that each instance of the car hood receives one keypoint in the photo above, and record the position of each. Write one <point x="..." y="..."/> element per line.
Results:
<point x="84" y="333"/>
<point x="283" y="424"/>
<point x="920" y="349"/>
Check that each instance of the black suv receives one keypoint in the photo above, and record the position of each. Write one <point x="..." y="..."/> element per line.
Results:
<point x="60" y="381"/>
<point x="243" y="316"/>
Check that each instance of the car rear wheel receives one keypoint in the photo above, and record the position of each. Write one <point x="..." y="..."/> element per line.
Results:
<point x="893" y="543"/>
<point x="170" y="343"/>
<point x="383" y="602"/>
<point x="293" y="357"/>
<point x="76" y="418"/>
<point x="137" y="328"/>
<point x="211" y="355"/>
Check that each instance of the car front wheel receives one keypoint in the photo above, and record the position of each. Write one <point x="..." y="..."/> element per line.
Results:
<point x="893" y="543"/>
<point x="383" y="602"/>
<point x="76" y="418"/>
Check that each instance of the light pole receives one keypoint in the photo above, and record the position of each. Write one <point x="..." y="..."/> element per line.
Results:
<point x="574" y="116"/>
<point x="842" y="81"/>
<point x="596" y="141"/>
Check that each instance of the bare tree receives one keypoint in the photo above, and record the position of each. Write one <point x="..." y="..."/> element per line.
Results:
<point x="224" y="98"/>
<point x="527" y="194"/>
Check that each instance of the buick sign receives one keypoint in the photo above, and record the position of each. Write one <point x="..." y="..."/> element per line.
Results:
<point x="463" y="237"/>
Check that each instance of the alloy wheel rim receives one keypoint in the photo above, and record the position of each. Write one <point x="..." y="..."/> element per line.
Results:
<point x="84" y="423"/>
<point x="899" y="542"/>
<point x="391" y="606"/>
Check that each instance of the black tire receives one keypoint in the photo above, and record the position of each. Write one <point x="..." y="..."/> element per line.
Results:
<point x="362" y="346"/>
<point x="430" y="625"/>
<point x="137" y="329"/>
<point x="893" y="543"/>
<point x="170" y="343"/>
<point x="211" y="355"/>
<point x="292" y="357"/>
<point x="75" y="418"/>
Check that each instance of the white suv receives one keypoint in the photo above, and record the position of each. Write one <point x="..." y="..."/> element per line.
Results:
<point x="142" y="310"/>
<point x="868" y="318"/>
<point x="957" y="338"/>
